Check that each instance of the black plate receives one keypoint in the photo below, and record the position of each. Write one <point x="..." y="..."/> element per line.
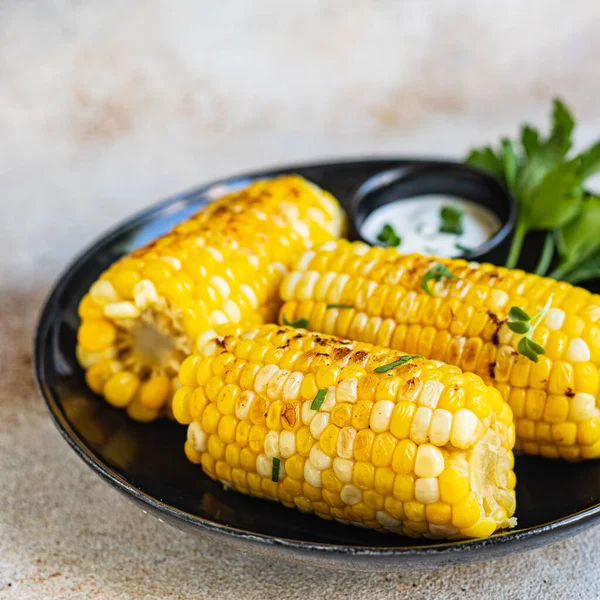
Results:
<point x="147" y="464"/>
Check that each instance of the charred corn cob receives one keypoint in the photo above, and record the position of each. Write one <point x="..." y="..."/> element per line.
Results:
<point x="376" y="295"/>
<point x="350" y="431"/>
<point x="223" y="266"/>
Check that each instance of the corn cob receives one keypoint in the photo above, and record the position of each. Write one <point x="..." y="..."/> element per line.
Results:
<point x="375" y="295"/>
<point x="332" y="427"/>
<point x="222" y="266"/>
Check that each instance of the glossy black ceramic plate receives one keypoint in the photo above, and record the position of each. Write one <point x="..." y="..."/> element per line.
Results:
<point x="147" y="464"/>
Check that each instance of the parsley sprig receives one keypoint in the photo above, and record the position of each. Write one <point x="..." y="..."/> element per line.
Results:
<point x="388" y="236"/>
<point x="548" y="185"/>
<point x="436" y="273"/>
<point x="520" y="322"/>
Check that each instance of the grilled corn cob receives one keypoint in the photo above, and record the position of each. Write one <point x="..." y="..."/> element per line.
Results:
<point x="343" y="430"/>
<point x="221" y="267"/>
<point x="375" y="295"/>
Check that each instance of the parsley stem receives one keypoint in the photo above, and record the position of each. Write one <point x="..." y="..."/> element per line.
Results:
<point x="561" y="270"/>
<point x="516" y="246"/>
<point x="546" y="256"/>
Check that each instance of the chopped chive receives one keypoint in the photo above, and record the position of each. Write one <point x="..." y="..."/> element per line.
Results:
<point x="340" y="306"/>
<point x="451" y="216"/>
<point x="298" y="323"/>
<point x="275" y="471"/>
<point x="319" y="398"/>
<point x="436" y="273"/>
<point x="388" y="236"/>
<point x="463" y="248"/>
<point x="397" y="363"/>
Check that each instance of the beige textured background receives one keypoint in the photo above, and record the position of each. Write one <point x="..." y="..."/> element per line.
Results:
<point x="107" y="106"/>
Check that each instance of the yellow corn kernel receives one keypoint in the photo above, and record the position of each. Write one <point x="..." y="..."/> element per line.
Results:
<point x="383" y="449"/>
<point x="210" y="417"/>
<point x="438" y="513"/>
<point x="361" y="413"/>
<point x="192" y="455"/>
<point x="341" y="414"/>
<point x="401" y="420"/>
<point x="329" y="440"/>
<point x="454" y="486"/>
<point x="404" y="487"/>
<point x="363" y="445"/>
<point x="415" y="511"/>
<point x="96" y="335"/>
<point x="588" y="432"/>
<point x="120" y="388"/>
<point x="466" y="512"/>
<point x="557" y="409"/>
<point x="403" y="460"/>
<point x="155" y="392"/>
<point x="242" y="433"/>
<point x="564" y="434"/>
<point x="304" y="441"/>
<point x="198" y="402"/>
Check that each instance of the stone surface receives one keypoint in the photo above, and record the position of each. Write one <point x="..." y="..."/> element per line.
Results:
<point x="108" y="106"/>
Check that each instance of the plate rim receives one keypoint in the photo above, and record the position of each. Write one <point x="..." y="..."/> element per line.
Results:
<point x="568" y="525"/>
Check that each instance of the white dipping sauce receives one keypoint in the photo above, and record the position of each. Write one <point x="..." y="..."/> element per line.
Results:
<point x="417" y="222"/>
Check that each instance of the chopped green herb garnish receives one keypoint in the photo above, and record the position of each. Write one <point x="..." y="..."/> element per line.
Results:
<point x="436" y="273"/>
<point x="463" y="248"/>
<point x="298" y="323"/>
<point x="340" y="306"/>
<point x="419" y="228"/>
<point x="451" y="216"/>
<point x="397" y="363"/>
<point x="520" y="322"/>
<point x="275" y="471"/>
<point x="388" y="236"/>
<point x="319" y="398"/>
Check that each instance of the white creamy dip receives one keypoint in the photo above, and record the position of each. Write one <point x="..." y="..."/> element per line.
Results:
<point x="417" y="222"/>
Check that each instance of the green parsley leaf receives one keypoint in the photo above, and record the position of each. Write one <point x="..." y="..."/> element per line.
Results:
<point x="530" y="140"/>
<point x="388" y="236"/>
<point x="319" y="398"/>
<point x="340" y="306"/>
<point x="275" y="471"/>
<point x="397" y="363"/>
<point x="510" y="160"/>
<point x="486" y="160"/>
<point x="518" y="326"/>
<point x="451" y="216"/>
<point x="298" y="323"/>
<point x="524" y="348"/>
<point x="590" y="161"/>
<point x="556" y="200"/>
<point x="436" y="273"/>
<point x="518" y="314"/>
<point x="578" y="240"/>
<point x="584" y="271"/>
<point x="536" y="347"/>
